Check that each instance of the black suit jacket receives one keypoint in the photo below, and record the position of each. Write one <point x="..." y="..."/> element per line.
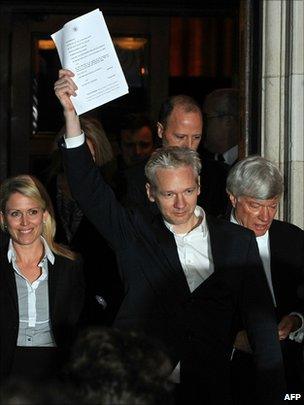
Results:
<point x="157" y="297"/>
<point x="287" y="272"/>
<point x="90" y="244"/>
<point x="287" y="266"/>
<point x="66" y="293"/>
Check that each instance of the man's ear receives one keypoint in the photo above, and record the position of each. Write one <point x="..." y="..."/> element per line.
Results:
<point x="233" y="199"/>
<point x="160" y="129"/>
<point x="150" y="192"/>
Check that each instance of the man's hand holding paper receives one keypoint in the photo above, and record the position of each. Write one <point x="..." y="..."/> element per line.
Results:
<point x="65" y="88"/>
<point x="85" y="47"/>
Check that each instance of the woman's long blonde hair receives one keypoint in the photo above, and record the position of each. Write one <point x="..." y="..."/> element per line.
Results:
<point x="31" y="187"/>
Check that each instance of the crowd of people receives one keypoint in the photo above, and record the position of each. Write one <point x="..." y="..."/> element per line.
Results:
<point x="162" y="278"/>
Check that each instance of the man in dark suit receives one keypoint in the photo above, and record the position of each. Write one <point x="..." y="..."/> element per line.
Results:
<point x="180" y="124"/>
<point x="188" y="278"/>
<point x="255" y="187"/>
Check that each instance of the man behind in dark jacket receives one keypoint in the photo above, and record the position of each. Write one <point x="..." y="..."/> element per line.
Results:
<point x="180" y="124"/>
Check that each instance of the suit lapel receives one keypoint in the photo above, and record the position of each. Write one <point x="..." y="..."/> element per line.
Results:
<point x="275" y="242"/>
<point x="218" y="244"/>
<point x="168" y="255"/>
<point x="275" y="251"/>
<point x="52" y="283"/>
<point x="10" y="281"/>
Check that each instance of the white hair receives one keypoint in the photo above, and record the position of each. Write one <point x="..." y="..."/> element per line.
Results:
<point x="171" y="157"/>
<point x="256" y="177"/>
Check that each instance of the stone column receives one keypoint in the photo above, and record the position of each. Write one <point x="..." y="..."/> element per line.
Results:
<point x="282" y="114"/>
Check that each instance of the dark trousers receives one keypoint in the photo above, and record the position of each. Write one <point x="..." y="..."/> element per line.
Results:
<point x="243" y="373"/>
<point x="35" y="363"/>
<point x="243" y="379"/>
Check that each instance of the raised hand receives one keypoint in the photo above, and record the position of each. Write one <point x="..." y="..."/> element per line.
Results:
<point x="65" y="88"/>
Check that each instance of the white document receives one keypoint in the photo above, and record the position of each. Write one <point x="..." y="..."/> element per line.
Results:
<point x="85" y="47"/>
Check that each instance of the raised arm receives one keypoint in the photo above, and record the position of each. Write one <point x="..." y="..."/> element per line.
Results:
<point x="88" y="187"/>
<point x="65" y="88"/>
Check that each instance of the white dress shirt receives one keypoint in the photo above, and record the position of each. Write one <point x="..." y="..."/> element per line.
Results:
<point x="194" y="251"/>
<point x="75" y="141"/>
<point x="231" y="155"/>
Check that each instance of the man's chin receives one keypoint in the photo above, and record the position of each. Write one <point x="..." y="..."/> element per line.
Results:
<point x="178" y="219"/>
<point x="260" y="231"/>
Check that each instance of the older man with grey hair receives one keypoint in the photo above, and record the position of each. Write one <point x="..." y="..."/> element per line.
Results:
<point x="255" y="187"/>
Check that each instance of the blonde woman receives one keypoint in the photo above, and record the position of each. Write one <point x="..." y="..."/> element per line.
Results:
<point x="41" y="284"/>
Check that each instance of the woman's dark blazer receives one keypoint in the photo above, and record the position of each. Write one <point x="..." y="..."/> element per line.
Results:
<point x="66" y="293"/>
